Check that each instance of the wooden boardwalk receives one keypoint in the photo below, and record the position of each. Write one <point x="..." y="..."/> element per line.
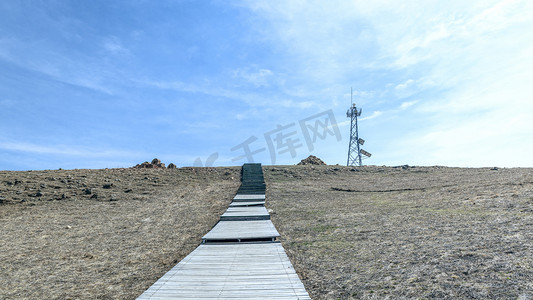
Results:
<point x="231" y="271"/>
<point x="238" y="259"/>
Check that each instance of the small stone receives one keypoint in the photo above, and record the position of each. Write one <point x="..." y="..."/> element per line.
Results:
<point x="87" y="191"/>
<point x="94" y="196"/>
<point x="37" y="194"/>
<point x="171" y="166"/>
<point x="107" y="185"/>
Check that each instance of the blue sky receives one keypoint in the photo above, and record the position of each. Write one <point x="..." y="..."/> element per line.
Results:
<point x="104" y="84"/>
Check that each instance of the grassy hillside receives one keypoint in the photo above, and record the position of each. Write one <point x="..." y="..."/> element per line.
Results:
<point x="103" y="234"/>
<point x="432" y="232"/>
<point x="369" y="232"/>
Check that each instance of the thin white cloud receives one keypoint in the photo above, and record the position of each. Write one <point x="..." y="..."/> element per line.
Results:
<point x="374" y="115"/>
<point x="62" y="150"/>
<point x="253" y="99"/>
<point x="407" y="104"/>
<point x="114" y="46"/>
<point x="405" y="85"/>
<point x="261" y="77"/>
<point x="467" y="63"/>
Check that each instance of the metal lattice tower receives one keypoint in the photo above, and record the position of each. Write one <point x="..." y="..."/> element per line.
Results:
<point x="354" y="150"/>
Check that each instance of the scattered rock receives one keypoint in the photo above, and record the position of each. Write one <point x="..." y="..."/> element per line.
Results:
<point x="403" y="167"/>
<point x="311" y="160"/>
<point x="94" y="196"/>
<point x="87" y="191"/>
<point x="37" y="194"/>
<point x="171" y="166"/>
<point x="494" y="169"/>
<point x="155" y="164"/>
<point x="144" y="165"/>
<point x="108" y="186"/>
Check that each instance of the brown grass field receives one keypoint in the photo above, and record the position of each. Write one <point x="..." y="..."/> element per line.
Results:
<point x="351" y="233"/>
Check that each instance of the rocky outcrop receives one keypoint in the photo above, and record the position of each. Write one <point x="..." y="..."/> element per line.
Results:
<point x="155" y="164"/>
<point x="311" y="160"/>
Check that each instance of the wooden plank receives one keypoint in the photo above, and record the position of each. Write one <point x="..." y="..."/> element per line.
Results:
<point x="246" y="211"/>
<point x="235" y="230"/>
<point x="240" y="197"/>
<point x="249" y="203"/>
<point x="241" y="272"/>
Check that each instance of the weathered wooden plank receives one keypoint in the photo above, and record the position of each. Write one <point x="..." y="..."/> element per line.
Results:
<point x="240" y="197"/>
<point x="246" y="211"/>
<point x="247" y="203"/>
<point x="241" y="272"/>
<point x="240" y="230"/>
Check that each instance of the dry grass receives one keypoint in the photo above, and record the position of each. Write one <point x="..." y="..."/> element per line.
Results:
<point x="59" y="243"/>
<point x="370" y="233"/>
<point x="390" y="233"/>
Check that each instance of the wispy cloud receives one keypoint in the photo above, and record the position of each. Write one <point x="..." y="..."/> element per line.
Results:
<point x="253" y="99"/>
<point x="258" y="77"/>
<point x="113" y="45"/>
<point x="464" y="64"/>
<point x="432" y="73"/>
<point x="408" y="104"/>
<point x="63" y="150"/>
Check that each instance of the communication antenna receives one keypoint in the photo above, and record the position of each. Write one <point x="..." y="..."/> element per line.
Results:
<point x="354" y="150"/>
